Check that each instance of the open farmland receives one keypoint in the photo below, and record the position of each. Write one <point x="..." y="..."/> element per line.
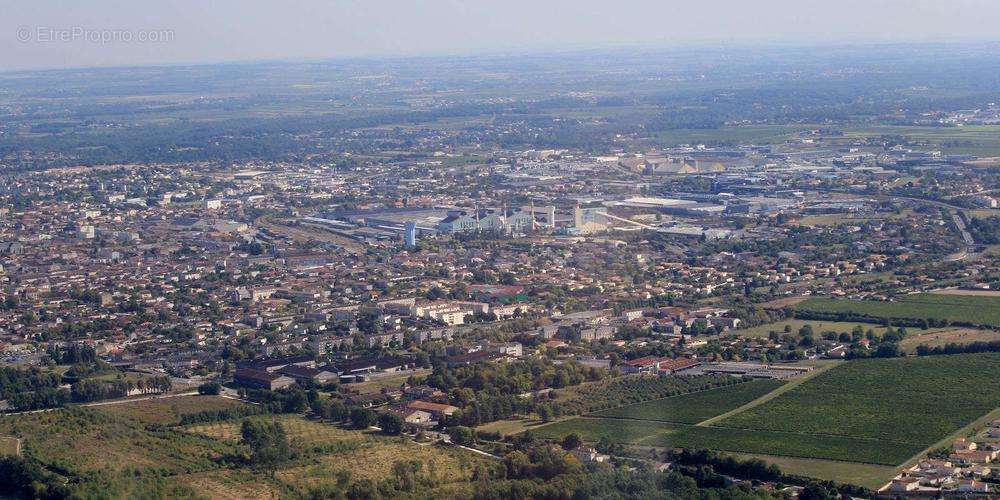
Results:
<point x="879" y="412"/>
<point x="962" y="309"/>
<point x="941" y="337"/>
<point x="790" y="444"/>
<point x="901" y="405"/>
<point x="867" y="475"/>
<point x="618" y="430"/>
<point x="631" y="389"/>
<point x="649" y="421"/>
<point x="695" y="407"/>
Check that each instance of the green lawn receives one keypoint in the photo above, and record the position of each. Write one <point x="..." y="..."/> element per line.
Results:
<point x="695" y="407"/>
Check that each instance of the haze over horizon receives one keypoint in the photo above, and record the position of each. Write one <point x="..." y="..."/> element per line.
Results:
<point x="53" y="34"/>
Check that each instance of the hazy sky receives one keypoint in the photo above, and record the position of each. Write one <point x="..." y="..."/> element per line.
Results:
<point x="75" y="33"/>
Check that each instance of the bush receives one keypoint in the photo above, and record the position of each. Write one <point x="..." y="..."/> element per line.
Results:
<point x="210" y="389"/>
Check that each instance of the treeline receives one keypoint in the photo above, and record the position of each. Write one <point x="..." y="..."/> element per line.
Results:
<point x="84" y="391"/>
<point x="95" y="390"/>
<point x="922" y="323"/>
<point x="18" y="380"/>
<point x="953" y="348"/>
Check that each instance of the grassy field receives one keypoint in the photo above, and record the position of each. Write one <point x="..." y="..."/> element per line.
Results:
<point x="790" y="444"/>
<point x="940" y="337"/>
<point x="167" y="411"/>
<point x="695" y="407"/>
<point x="868" y="475"/>
<point x="305" y="432"/>
<point x="980" y="310"/>
<point x="232" y="484"/>
<point x="113" y="452"/>
<point x="80" y="440"/>
<point x="361" y="455"/>
<point x="8" y="445"/>
<point x="510" y="427"/>
<point x="618" y="430"/>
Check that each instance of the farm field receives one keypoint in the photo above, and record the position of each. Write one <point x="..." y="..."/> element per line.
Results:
<point x="868" y="475"/>
<point x="940" y="337"/>
<point x="791" y="444"/>
<point x="854" y="421"/>
<point x="167" y="411"/>
<point x="959" y="291"/>
<point x="910" y="402"/>
<point x="510" y="427"/>
<point x="980" y="310"/>
<point x="620" y="431"/>
<point x="694" y="407"/>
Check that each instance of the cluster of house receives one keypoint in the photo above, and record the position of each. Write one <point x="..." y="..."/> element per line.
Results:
<point x="595" y="325"/>
<point x="419" y="406"/>
<point x="691" y="366"/>
<point x="967" y="470"/>
<point x="278" y="373"/>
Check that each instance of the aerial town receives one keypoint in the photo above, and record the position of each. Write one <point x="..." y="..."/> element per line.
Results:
<point x="448" y="288"/>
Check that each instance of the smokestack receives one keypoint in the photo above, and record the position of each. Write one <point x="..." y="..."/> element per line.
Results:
<point x="552" y="216"/>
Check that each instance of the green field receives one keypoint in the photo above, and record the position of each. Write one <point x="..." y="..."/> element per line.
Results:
<point x="979" y="310"/>
<point x="791" y="444"/>
<point x="874" y="411"/>
<point x="902" y="404"/>
<point x="867" y="475"/>
<point x="695" y="407"/>
<point x="618" y="430"/>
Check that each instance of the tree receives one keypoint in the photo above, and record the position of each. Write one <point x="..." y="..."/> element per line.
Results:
<point x="544" y="412"/>
<point x="814" y="491"/>
<point x="461" y="435"/>
<point x="362" y="418"/>
<point x="571" y="441"/>
<point x="210" y="389"/>
<point x="391" y="423"/>
<point x="268" y="443"/>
